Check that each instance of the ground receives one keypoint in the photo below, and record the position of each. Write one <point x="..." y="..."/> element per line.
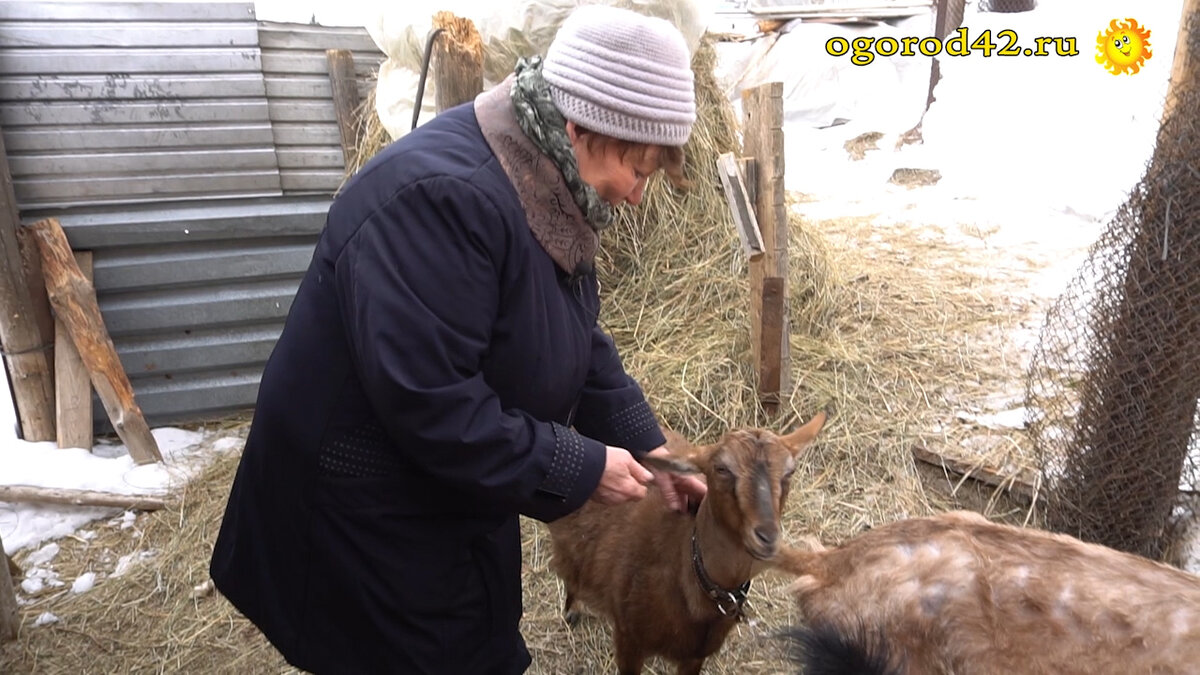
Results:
<point x="936" y="311"/>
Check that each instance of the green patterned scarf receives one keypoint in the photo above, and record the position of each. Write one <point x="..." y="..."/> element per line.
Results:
<point x="545" y="126"/>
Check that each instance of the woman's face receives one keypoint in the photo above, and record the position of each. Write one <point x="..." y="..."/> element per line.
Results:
<point x="617" y="179"/>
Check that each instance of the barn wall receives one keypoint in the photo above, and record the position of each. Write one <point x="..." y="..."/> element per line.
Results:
<point x="195" y="152"/>
<point x="133" y="103"/>
<point x="300" y="103"/>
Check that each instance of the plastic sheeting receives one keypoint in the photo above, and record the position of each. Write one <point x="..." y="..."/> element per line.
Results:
<point x="509" y="30"/>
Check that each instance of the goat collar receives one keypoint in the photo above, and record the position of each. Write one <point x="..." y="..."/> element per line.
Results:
<point x="729" y="603"/>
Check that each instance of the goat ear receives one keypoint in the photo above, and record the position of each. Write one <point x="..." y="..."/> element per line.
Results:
<point x="801" y="438"/>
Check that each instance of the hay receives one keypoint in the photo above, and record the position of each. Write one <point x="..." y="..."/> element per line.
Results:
<point x="890" y="330"/>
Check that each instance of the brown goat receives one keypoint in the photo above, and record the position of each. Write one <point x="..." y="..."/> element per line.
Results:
<point x="672" y="584"/>
<point x="956" y="593"/>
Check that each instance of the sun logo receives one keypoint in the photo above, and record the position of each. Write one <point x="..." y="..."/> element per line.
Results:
<point x="1124" y="48"/>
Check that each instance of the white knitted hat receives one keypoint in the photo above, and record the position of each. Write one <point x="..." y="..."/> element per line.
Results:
<point x="622" y="74"/>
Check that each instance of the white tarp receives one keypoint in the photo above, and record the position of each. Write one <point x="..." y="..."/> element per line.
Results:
<point x="509" y="30"/>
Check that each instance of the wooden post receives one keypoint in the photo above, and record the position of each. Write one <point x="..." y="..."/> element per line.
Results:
<point x="74" y="302"/>
<point x="8" y="602"/>
<point x="457" y="61"/>
<point x="1189" y="20"/>
<point x="72" y="385"/>
<point x="26" y="348"/>
<point x="763" y="139"/>
<point x="346" y="100"/>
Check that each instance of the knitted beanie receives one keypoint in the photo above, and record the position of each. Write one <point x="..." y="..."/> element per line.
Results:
<point x="622" y="74"/>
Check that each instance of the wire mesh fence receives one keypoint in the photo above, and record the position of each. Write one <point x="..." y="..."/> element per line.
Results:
<point x="1115" y="379"/>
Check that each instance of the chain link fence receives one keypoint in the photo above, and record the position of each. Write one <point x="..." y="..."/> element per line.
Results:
<point x="1114" y="382"/>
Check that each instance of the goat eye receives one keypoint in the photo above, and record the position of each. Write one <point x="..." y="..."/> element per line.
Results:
<point x="724" y="472"/>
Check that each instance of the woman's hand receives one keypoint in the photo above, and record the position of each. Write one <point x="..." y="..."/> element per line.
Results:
<point x="624" y="479"/>
<point x="677" y="489"/>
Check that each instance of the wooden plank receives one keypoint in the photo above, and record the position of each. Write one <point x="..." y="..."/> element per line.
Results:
<point x="81" y="190"/>
<point x="275" y="62"/>
<point x="75" y="34"/>
<point x="90" y="10"/>
<point x="762" y="125"/>
<point x="1023" y="487"/>
<point x="41" y="313"/>
<point x="273" y="35"/>
<point x="311" y="157"/>
<point x="303" y="111"/>
<point x="740" y="205"/>
<point x="94" y="164"/>
<point x="168" y="86"/>
<point x="26" y="348"/>
<point x="305" y="134"/>
<point x="130" y="61"/>
<point x="161" y="136"/>
<point x="74" y="302"/>
<point x="72" y="385"/>
<point x="345" y="101"/>
<point x="310" y="180"/>
<point x="125" y="112"/>
<point x="9" y="619"/>
<point x="29" y="494"/>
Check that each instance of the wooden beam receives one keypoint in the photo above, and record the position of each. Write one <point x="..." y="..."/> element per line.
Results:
<point x="770" y="367"/>
<point x="26" y="348"/>
<point x="74" y="302"/>
<point x="1189" y="19"/>
<point x="72" y="385"/>
<point x="762" y="126"/>
<point x="457" y="61"/>
<point x="29" y="494"/>
<point x="1014" y="484"/>
<point x="740" y="205"/>
<point x="8" y="601"/>
<point x="346" y="100"/>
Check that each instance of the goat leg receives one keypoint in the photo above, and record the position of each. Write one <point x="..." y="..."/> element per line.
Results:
<point x="630" y="659"/>
<point x="571" y="614"/>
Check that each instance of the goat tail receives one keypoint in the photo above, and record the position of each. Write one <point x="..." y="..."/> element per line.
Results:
<point x="820" y="648"/>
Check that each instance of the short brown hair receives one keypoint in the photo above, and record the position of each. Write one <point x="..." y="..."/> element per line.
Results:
<point x="670" y="157"/>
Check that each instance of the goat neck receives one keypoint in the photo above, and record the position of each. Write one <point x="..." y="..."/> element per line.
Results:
<point x="724" y="557"/>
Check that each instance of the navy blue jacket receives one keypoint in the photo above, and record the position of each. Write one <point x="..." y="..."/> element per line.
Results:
<point x="437" y="375"/>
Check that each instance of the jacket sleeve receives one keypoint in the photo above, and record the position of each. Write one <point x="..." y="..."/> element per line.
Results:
<point x="418" y="289"/>
<point x="612" y="407"/>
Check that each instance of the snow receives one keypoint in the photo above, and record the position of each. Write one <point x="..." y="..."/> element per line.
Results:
<point x="1035" y="154"/>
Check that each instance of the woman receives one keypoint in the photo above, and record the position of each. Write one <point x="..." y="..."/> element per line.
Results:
<point x="441" y="370"/>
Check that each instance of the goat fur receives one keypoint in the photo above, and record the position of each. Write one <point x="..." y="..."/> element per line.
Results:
<point x="958" y="594"/>
<point x="632" y="563"/>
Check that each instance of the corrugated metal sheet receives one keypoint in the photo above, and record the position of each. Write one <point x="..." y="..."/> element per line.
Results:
<point x="194" y="295"/>
<point x="163" y="136"/>
<point x="308" y="146"/>
<point x="134" y="102"/>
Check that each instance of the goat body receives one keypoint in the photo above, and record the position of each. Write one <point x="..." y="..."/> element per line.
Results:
<point x="959" y="594"/>
<point x="633" y="562"/>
